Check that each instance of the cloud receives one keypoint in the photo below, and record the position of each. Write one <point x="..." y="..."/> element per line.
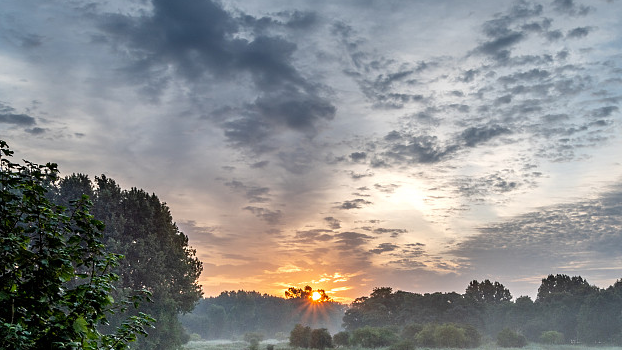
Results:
<point x="579" y="32"/>
<point x="586" y="232"/>
<point x="568" y="7"/>
<point x="200" y="40"/>
<point x="270" y="216"/>
<point x="353" y="204"/>
<point x="254" y="194"/>
<point x="347" y="241"/>
<point x="476" y="135"/>
<point x="17" y="119"/>
<point x="384" y="247"/>
<point x="333" y="223"/>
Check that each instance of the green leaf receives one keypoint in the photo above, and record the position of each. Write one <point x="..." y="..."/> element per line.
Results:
<point x="80" y="325"/>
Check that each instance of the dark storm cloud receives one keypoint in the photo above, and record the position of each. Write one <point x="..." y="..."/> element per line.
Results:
<point x="270" y="216"/>
<point x="561" y="234"/>
<point x="476" y="135"/>
<point x="333" y="223"/>
<point x="199" y="39"/>
<point x="353" y="204"/>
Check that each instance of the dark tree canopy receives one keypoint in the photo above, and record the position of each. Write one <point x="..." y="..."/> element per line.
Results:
<point x="487" y="292"/>
<point x="157" y="255"/>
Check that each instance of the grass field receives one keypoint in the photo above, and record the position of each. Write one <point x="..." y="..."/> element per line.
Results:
<point x="228" y="345"/>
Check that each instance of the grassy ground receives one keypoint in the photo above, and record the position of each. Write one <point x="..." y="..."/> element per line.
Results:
<point x="228" y="345"/>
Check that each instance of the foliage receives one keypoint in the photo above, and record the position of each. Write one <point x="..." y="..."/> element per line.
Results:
<point x="56" y="273"/>
<point x="306" y="293"/>
<point x="320" y="339"/>
<point x="487" y="292"/>
<point x="373" y="337"/>
<point x="447" y="335"/>
<point x="552" y="337"/>
<point x="341" y="339"/>
<point x="568" y="305"/>
<point x="300" y="336"/>
<point x="157" y="256"/>
<point x="510" y="339"/>
<point x="254" y="339"/>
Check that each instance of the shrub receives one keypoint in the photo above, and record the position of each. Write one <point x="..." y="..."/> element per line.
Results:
<point x="510" y="339"/>
<point x="371" y="337"/>
<point x="320" y="339"/>
<point x="552" y="337"/>
<point x="411" y="330"/>
<point x="426" y="337"/>
<point x="449" y="336"/>
<point x="341" y="339"/>
<point x="300" y="336"/>
<point x="270" y="347"/>
<point x="472" y="336"/>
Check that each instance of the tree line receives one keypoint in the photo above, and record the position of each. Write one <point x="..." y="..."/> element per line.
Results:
<point x="235" y="313"/>
<point x="567" y="310"/>
<point x="87" y="265"/>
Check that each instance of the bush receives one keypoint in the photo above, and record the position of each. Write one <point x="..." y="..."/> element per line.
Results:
<point x="509" y="339"/>
<point x="300" y="336"/>
<point x="341" y="339"/>
<point x="552" y="337"/>
<point x="426" y="337"/>
<point x="320" y="339"/>
<point x="371" y="337"/>
<point x="449" y="336"/>
<point x="253" y="339"/>
<point x="411" y="330"/>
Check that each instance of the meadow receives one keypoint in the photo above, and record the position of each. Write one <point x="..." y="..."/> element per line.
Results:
<point x="241" y="345"/>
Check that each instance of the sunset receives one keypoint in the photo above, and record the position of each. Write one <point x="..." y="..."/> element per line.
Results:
<point x="340" y="145"/>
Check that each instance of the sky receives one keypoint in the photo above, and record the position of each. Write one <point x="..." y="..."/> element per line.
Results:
<point x="344" y="145"/>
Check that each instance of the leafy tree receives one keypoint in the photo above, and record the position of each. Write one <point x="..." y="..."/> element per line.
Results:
<point x="56" y="273"/>
<point x="254" y="339"/>
<point x="320" y="339"/>
<point x="157" y="255"/>
<point x="373" y="337"/>
<point x="487" y="292"/>
<point x="300" y="336"/>
<point x="306" y="293"/>
<point x="341" y="339"/>
<point x="559" y="286"/>
<point x="599" y="318"/>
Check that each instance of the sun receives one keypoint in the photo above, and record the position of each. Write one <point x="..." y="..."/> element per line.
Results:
<point x="316" y="296"/>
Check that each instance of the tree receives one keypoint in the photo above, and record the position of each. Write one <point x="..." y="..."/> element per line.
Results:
<point x="320" y="339"/>
<point x="560" y="286"/>
<point x="157" y="255"/>
<point x="300" y="336"/>
<point x="56" y="273"/>
<point x="341" y="339"/>
<point x="599" y="318"/>
<point x="487" y="292"/>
